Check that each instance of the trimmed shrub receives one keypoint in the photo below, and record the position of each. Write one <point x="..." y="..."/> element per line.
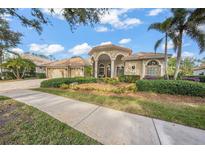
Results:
<point x="110" y="80"/>
<point x="129" y="78"/>
<point x="64" y="86"/>
<point x="41" y="75"/>
<point x="147" y="77"/>
<point x="57" y="82"/>
<point x="174" y="87"/>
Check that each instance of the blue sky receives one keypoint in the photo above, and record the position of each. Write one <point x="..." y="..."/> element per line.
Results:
<point x="125" y="27"/>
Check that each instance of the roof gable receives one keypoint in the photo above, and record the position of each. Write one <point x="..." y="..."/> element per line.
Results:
<point x="109" y="47"/>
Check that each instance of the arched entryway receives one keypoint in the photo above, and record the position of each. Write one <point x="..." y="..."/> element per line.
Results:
<point x="104" y="66"/>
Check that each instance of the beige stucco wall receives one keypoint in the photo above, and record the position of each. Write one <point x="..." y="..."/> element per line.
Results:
<point x="140" y="67"/>
<point x="128" y="68"/>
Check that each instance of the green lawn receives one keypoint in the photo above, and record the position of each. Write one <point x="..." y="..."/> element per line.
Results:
<point x="187" y="114"/>
<point x="23" y="124"/>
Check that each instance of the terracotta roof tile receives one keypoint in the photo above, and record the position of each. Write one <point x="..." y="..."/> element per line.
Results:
<point x="145" y="55"/>
<point x="36" y="60"/>
<point x="72" y="62"/>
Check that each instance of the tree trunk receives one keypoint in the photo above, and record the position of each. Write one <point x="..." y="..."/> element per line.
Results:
<point x="24" y="71"/>
<point x="18" y="74"/>
<point x="179" y="53"/>
<point x="1" y="61"/>
<point x="166" y="59"/>
<point x="14" y="74"/>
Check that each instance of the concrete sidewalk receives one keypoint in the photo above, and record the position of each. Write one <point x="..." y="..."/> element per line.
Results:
<point x="20" y="84"/>
<point x="106" y="125"/>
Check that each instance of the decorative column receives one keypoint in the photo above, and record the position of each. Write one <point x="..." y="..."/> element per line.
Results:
<point x="143" y="69"/>
<point x="162" y="71"/>
<point x="96" y="68"/>
<point x="112" y="68"/>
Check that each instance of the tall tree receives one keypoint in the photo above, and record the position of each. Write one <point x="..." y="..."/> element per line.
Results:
<point x="188" y="21"/>
<point x="74" y="17"/>
<point x="8" y="39"/>
<point x="19" y="67"/>
<point x="186" y="66"/>
<point x="164" y="27"/>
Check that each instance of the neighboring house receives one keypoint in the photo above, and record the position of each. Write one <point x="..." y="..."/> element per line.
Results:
<point x="38" y="61"/>
<point x="112" y="61"/>
<point x="199" y="70"/>
<point x="73" y="67"/>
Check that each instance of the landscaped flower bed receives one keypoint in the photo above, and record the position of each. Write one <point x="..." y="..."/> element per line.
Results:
<point x="174" y="87"/>
<point x="197" y="78"/>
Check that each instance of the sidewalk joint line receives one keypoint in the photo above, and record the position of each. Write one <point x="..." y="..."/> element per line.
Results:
<point x="156" y="131"/>
<point x="88" y="115"/>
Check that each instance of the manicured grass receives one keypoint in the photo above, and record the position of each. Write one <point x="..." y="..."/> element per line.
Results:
<point x="187" y="114"/>
<point x="23" y="124"/>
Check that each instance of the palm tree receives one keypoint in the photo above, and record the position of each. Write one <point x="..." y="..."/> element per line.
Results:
<point x="164" y="27"/>
<point x="187" y="21"/>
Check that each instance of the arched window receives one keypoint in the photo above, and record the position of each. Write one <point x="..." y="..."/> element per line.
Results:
<point x="153" y="68"/>
<point x="153" y="62"/>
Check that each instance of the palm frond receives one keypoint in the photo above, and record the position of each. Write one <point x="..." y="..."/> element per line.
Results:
<point x="157" y="44"/>
<point x="197" y="16"/>
<point x="197" y="35"/>
<point x="156" y="26"/>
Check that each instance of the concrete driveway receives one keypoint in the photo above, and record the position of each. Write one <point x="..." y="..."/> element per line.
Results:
<point x="106" y="125"/>
<point x="22" y="84"/>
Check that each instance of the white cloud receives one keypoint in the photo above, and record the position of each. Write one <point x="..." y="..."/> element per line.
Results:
<point x="80" y="49"/>
<point x="155" y="12"/>
<point x="186" y="44"/>
<point x="185" y="54"/>
<point x="57" y="13"/>
<point x="118" y="19"/>
<point x="101" y="29"/>
<point x="202" y="28"/>
<point x="105" y="43"/>
<point x="124" y="41"/>
<point x="6" y="17"/>
<point x="170" y="45"/>
<point x="46" y="49"/>
<point x="17" y="50"/>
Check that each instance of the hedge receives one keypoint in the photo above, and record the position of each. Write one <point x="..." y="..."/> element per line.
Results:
<point x="174" y="87"/>
<point x="148" y="77"/>
<point x="57" y="82"/>
<point x="129" y="78"/>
